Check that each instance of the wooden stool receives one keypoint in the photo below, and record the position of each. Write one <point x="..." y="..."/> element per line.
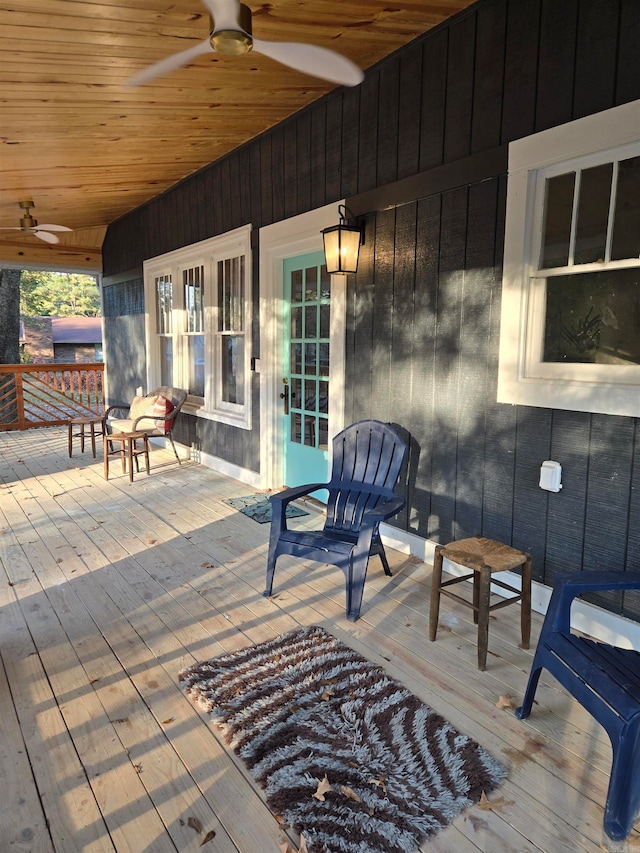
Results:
<point x="485" y="557"/>
<point x="128" y="450"/>
<point x="82" y="423"/>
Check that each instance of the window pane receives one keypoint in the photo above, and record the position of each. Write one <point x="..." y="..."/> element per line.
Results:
<point x="296" y="322"/>
<point x="164" y="304"/>
<point x="309" y="431"/>
<point x="323" y="401"/>
<point x="557" y="220"/>
<point x="296" y="358"/>
<point x="296" y="393"/>
<point x="311" y="283"/>
<point x="325" y="283"/>
<point x="626" y="223"/>
<point x="310" y="359"/>
<point x="593" y="214"/>
<point x="166" y="361"/>
<point x="324" y="360"/>
<point x="325" y="319"/>
<point x="232" y="369"/>
<point x="310" y="322"/>
<point x="231" y="295"/>
<point x="192" y="280"/>
<point x="196" y="365"/>
<point x="593" y="318"/>
<point x="296" y="428"/>
<point x="323" y="426"/>
<point x="296" y="286"/>
<point x="310" y="395"/>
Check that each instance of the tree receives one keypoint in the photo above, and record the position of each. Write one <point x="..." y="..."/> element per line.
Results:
<point x="9" y="316"/>
<point x="58" y="294"/>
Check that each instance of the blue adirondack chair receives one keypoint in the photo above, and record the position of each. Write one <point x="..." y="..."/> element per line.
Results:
<point x="605" y="680"/>
<point x="366" y="464"/>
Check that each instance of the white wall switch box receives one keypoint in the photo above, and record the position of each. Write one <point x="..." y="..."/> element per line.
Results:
<point x="551" y="476"/>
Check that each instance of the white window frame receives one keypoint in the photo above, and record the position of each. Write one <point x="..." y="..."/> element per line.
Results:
<point x="206" y="253"/>
<point x="523" y="378"/>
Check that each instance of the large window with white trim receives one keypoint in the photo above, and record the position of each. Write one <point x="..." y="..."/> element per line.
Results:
<point x="571" y="288"/>
<point x="198" y="316"/>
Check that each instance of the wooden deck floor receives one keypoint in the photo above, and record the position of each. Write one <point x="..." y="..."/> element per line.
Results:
<point x="108" y="589"/>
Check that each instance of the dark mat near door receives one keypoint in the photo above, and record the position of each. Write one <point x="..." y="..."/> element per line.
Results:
<point x="258" y="507"/>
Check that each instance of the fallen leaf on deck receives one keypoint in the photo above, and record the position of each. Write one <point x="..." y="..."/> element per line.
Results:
<point x="323" y="788"/>
<point x="168" y="720"/>
<point x="194" y="823"/>
<point x="211" y="834"/>
<point x="207" y="565"/>
<point x="505" y="701"/>
<point x="349" y="792"/>
<point x="493" y="805"/>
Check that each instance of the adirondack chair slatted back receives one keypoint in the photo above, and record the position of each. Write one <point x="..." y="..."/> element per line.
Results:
<point x="367" y="459"/>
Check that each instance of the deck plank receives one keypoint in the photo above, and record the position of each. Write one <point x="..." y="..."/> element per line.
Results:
<point x="110" y="588"/>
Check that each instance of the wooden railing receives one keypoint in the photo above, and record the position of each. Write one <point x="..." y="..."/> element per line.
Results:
<point x="37" y="395"/>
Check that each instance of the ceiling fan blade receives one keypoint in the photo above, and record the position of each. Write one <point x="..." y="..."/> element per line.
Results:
<point x="10" y="228"/>
<point x="311" y="59"/>
<point x="54" y="228"/>
<point x="47" y="236"/>
<point x="225" y="13"/>
<point x="171" y="63"/>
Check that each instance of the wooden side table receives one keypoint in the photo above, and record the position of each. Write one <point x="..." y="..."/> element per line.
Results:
<point x="81" y="423"/>
<point x="123" y="444"/>
<point x="484" y="557"/>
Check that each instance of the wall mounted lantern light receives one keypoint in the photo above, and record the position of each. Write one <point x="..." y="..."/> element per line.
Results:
<point x="342" y="243"/>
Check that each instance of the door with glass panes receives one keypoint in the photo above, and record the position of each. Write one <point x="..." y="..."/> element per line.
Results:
<point x="305" y="380"/>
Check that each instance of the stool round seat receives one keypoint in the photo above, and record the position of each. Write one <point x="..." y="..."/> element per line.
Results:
<point x="484" y="557"/>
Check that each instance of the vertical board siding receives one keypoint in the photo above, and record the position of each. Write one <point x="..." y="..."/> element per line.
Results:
<point x="423" y="312"/>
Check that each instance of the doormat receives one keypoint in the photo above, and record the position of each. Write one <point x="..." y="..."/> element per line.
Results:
<point x="346" y="755"/>
<point x="258" y="507"/>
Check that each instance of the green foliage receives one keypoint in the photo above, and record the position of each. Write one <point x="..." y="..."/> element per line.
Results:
<point x="58" y="294"/>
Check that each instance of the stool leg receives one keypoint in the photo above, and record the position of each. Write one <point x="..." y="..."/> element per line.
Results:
<point x="146" y="453"/>
<point x="525" y="603"/>
<point x="436" y="580"/>
<point x="82" y="437"/>
<point x="93" y="439"/>
<point x="130" y="454"/>
<point x="105" y="448"/>
<point x="483" y="616"/>
<point x="70" y="441"/>
<point x="476" y="597"/>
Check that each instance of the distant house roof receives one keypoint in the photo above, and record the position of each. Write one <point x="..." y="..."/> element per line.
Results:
<point x="76" y="330"/>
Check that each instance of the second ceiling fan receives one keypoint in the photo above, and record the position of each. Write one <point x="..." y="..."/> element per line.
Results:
<point x="231" y="34"/>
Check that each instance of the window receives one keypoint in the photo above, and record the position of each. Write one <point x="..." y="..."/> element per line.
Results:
<point x="571" y="286"/>
<point x="197" y="331"/>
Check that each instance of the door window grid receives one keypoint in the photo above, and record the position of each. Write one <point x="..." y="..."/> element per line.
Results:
<point x="309" y="356"/>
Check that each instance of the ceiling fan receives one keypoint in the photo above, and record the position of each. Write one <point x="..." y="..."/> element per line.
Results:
<point x="30" y="225"/>
<point x="231" y="34"/>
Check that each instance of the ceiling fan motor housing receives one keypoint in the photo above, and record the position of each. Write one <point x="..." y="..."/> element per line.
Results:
<point x="27" y="222"/>
<point x="234" y="42"/>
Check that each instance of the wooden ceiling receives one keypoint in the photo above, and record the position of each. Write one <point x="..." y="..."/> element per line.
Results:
<point x="88" y="150"/>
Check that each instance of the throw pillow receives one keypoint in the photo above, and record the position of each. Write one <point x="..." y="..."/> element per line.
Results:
<point x="141" y="406"/>
<point x="162" y="408"/>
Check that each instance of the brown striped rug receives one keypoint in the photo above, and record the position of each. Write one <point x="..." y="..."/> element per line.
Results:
<point x="304" y="708"/>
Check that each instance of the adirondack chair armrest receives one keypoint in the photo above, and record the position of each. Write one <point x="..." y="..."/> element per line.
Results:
<point x="287" y="495"/>
<point x="385" y="509"/>
<point x="569" y="585"/>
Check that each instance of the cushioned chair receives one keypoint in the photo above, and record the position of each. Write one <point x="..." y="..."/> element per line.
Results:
<point x="605" y="680"/>
<point x="367" y="458"/>
<point x="154" y="414"/>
